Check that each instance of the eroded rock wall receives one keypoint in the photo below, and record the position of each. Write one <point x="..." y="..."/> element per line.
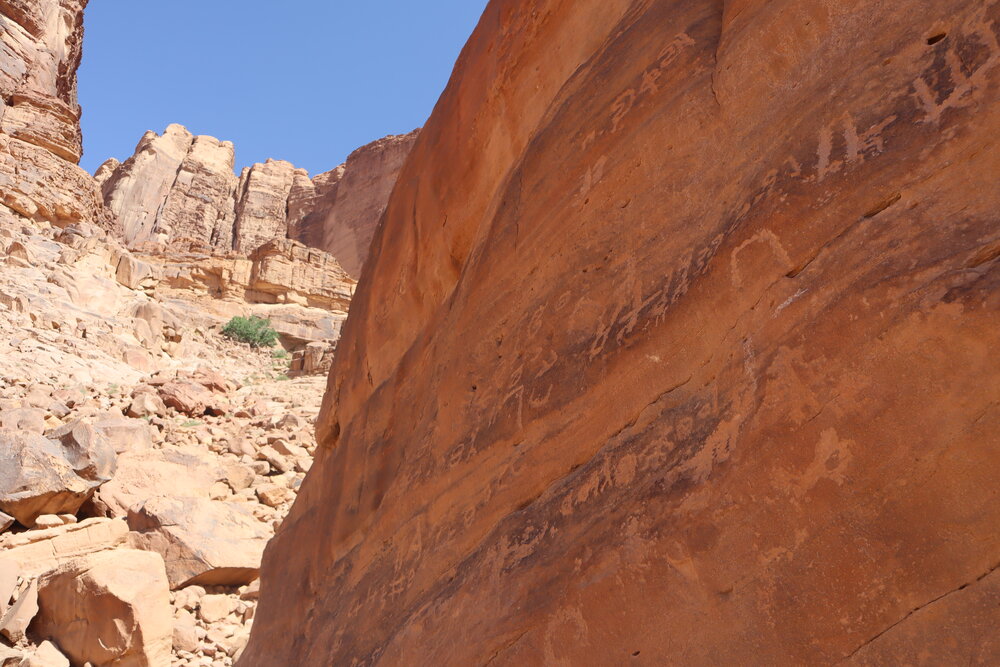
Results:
<point x="181" y="186"/>
<point x="675" y="347"/>
<point x="40" y="142"/>
<point x="350" y="200"/>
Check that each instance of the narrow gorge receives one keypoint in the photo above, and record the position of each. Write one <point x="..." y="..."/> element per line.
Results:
<point x="667" y="340"/>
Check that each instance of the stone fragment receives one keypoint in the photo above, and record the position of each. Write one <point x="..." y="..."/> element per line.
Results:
<point x="15" y="621"/>
<point x="46" y="655"/>
<point x="23" y="419"/>
<point x="109" y="608"/>
<point x="146" y="404"/>
<point x="9" y="573"/>
<point x="185" y="631"/>
<point x="189" y="398"/>
<point x="214" y="608"/>
<point x="48" y="521"/>
<point x="273" y="495"/>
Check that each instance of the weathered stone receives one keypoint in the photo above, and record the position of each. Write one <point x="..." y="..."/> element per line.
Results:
<point x="346" y="205"/>
<point x="185" y="632"/>
<point x="46" y="655"/>
<point x="40" y="142"/>
<point x="54" y="475"/>
<point x="9" y="572"/>
<point x="675" y="346"/>
<point x="203" y="542"/>
<point x="109" y="608"/>
<point x="189" y="398"/>
<point x="39" y="551"/>
<point x="23" y="419"/>
<point x="214" y="608"/>
<point x="172" y="471"/>
<point x="147" y="405"/>
<point x="16" y="619"/>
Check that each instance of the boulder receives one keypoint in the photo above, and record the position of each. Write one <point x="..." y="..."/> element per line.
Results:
<point x="40" y="475"/>
<point x="109" y="608"/>
<point x="146" y="404"/>
<point x="171" y="471"/>
<point x="136" y="274"/>
<point x="125" y="434"/>
<point x="10" y="657"/>
<point x="189" y="398"/>
<point x="204" y="542"/>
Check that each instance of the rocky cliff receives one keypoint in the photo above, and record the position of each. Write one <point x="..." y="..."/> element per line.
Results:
<point x="675" y="348"/>
<point x="40" y="141"/>
<point x="339" y="211"/>
<point x="181" y="186"/>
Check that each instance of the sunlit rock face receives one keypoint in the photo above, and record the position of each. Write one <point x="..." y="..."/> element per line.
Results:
<point x="181" y="186"/>
<point x="341" y="209"/>
<point x="675" y="347"/>
<point x="40" y="141"/>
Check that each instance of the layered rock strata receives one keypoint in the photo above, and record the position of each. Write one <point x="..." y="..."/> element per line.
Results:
<point x="181" y="186"/>
<point x="40" y="141"/>
<point x="675" y="347"/>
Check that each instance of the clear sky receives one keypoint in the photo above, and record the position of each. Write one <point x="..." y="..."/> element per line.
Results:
<point x="306" y="81"/>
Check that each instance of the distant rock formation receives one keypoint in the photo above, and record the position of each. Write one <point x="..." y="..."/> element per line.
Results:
<point x="178" y="185"/>
<point x="339" y="211"/>
<point x="677" y="346"/>
<point x="40" y="140"/>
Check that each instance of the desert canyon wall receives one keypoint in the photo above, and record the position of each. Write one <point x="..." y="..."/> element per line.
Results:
<point x="181" y="186"/>
<point x="40" y="140"/>
<point x="675" y="347"/>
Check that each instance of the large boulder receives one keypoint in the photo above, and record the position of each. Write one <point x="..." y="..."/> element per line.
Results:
<point x="111" y="608"/>
<point x="54" y="475"/>
<point x="204" y="542"/>
<point x="171" y="471"/>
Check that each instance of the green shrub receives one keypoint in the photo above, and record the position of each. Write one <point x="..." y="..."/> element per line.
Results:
<point x="254" y="331"/>
<point x="279" y="354"/>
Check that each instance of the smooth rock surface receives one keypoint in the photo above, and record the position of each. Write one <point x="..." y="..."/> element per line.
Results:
<point x="676" y="346"/>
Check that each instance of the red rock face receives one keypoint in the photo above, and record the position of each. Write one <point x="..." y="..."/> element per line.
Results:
<point x="676" y="347"/>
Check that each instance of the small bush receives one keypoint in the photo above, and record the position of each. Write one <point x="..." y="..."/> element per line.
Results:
<point x="254" y="331"/>
<point x="279" y="354"/>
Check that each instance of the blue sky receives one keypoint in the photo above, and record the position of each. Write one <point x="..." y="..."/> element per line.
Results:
<point x="305" y="81"/>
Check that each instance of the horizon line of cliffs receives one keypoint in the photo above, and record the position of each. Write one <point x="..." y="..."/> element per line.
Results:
<point x="179" y="185"/>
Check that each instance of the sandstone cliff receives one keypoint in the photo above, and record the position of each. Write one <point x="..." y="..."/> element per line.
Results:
<point x="181" y="186"/>
<point x="341" y="210"/>
<point x="40" y="141"/>
<point x="676" y="347"/>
